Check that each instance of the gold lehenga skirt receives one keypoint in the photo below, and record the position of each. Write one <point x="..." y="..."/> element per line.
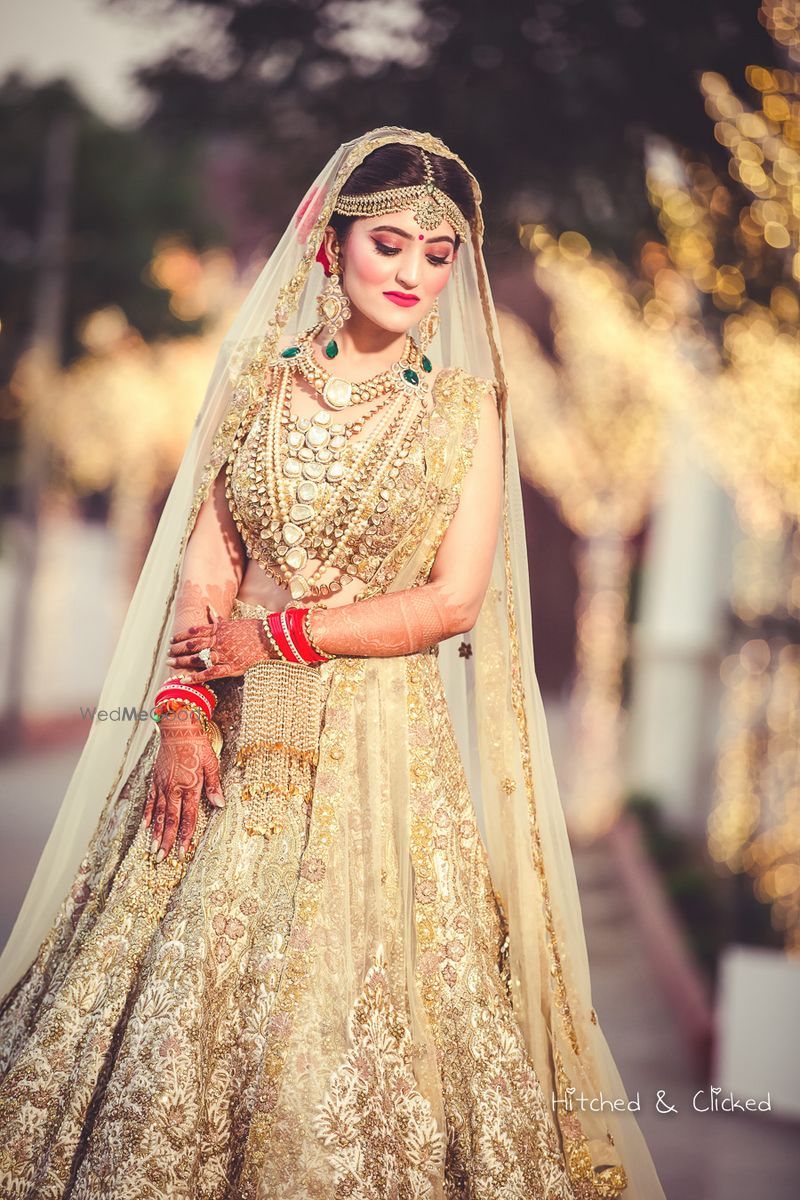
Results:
<point x="134" y="1052"/>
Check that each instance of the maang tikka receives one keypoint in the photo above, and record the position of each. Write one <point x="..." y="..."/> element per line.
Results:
<point x="429" y="204"/>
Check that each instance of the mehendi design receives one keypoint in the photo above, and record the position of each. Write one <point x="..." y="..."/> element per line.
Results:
<point x="193" y="599"/>
<point x="185" y="764"/>
<point x="398" y="623"/>
<point x="235" y="645"/>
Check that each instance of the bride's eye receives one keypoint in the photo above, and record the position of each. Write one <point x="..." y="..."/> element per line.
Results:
<point x="433" y="259"/>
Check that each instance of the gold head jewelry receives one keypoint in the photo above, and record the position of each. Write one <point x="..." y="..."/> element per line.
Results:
<point x="428" y="202"/>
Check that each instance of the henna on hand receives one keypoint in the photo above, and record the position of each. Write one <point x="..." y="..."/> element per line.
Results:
<point x="381" y="626"/>
<point x="395" y="623"/>
<point x="194" y="601"/>
<point x="235" y="645"/>
<point x="185" y="763"/>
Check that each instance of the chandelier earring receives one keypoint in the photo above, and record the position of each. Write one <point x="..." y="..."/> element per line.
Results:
<point x="428" y="326"/>
<point x="333" y="308"/>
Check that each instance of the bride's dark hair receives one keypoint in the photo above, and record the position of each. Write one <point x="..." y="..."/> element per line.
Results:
<point x="401" y="165"/>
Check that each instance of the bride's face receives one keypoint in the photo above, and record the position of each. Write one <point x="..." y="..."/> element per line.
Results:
<point x="390" y="257"/>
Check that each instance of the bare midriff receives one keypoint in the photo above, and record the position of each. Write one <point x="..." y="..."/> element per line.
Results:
<point x="257" y="587"/>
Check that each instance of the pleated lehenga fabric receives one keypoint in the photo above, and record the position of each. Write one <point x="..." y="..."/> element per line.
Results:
<point x="134" y="1047"/>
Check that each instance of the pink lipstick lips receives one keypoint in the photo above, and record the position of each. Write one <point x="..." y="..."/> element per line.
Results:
<point x="402" y="298"/>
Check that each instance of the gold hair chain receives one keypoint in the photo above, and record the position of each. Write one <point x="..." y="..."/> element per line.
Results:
<point x="427" y="201"/>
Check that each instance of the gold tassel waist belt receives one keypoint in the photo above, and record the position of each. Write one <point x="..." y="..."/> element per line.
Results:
<point x="279" y="733"/>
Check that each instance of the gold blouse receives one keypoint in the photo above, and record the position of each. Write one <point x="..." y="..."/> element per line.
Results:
<point x="404" y="498"/>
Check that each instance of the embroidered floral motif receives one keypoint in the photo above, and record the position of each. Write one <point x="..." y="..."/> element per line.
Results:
<point x="159" y="1044"/>
<point x="502" y="1139"/>
<point x="380" y="1129"/>
<point x="134" y="1048"/>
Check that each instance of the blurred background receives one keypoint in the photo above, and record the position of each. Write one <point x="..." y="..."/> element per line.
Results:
<point x="640" y="163"/>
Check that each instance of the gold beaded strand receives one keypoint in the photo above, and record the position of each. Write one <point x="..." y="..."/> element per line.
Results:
<point x="287" y="514"/>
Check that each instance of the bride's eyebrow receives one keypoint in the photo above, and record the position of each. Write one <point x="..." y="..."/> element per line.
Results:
<point x="394" y="229"/>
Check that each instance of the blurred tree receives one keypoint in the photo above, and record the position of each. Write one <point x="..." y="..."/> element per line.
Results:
<point x="127" y="190"/>
<point x="548" y="102"/>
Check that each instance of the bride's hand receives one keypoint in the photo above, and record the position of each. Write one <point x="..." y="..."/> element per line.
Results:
<point x="185" y="763"/>
<point x="235" y="646"/>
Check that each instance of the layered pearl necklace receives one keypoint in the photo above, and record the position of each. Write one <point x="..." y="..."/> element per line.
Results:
<point x="296" y="457"/>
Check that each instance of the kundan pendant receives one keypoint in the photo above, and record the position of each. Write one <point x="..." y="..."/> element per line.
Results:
<point x="337" y="393"/>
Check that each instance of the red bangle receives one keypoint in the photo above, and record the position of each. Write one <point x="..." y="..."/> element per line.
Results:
<point x="179" y="681"/>
<point x="290" y="638"/>
<point x="281" y="640"/>
<point x="296" y="618"/>
<point x="196" y="693"/>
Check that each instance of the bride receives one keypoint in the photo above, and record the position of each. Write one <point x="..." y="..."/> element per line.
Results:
<point x="307" y="923"/>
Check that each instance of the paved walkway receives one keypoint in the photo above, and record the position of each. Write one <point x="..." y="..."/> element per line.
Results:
<point x="699" y="1156"/>
<point x="32" y="786"/>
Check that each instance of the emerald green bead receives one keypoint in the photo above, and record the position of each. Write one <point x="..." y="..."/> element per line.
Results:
<point x="331" y="349"/>
<point x="411" y="375"/>
<point x="290" y="352"/>
<point x="427" y="365"/>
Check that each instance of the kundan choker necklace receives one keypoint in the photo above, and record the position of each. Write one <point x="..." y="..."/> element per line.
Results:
<point x="402" y="375"/>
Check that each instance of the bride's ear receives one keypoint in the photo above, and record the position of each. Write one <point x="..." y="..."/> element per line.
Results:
<point x="328" y="249"/>
<point x="330" y="242"/>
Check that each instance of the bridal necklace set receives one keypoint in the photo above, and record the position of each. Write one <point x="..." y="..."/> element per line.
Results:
<point x="313" y="488"/>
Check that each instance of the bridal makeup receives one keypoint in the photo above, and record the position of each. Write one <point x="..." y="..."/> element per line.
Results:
<point x="393" y="269"/>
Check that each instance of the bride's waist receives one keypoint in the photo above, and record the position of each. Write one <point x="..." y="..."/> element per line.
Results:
<point x="261" y="589"/>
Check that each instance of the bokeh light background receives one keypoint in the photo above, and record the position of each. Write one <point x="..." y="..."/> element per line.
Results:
<point x="641" y="173"/>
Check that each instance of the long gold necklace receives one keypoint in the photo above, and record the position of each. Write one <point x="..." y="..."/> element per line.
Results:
<point x="300" y="501"/>
<point x="332" y="532"/>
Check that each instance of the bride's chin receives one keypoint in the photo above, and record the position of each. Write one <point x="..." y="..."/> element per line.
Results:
<point x="400" y="322"/>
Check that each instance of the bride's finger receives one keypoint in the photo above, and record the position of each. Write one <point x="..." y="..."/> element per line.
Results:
<point x="220" y="670"/>
<point x="151" y="799"/>
<point x="188" y="665"/>
<point x="194" y="631"/>
<point x="201" y="627"/>
<point x="191" y="646"/>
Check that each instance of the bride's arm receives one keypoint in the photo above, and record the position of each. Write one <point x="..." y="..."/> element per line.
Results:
<point x="211" y="571"/>
<point x="418" y="617"/>
<point x="213" y="563"/>
<point x="211" y="574"/>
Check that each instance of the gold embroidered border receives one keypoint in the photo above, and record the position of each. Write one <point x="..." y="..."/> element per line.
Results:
<point x="579" y="1160"/>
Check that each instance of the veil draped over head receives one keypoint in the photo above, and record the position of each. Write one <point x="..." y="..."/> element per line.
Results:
<point x="493" y="699"/>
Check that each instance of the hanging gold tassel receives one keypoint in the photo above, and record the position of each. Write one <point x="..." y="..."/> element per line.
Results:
<point x="278" y="741"/>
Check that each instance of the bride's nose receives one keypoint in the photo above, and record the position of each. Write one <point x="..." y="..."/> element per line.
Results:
<point x="408" y="273"/>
